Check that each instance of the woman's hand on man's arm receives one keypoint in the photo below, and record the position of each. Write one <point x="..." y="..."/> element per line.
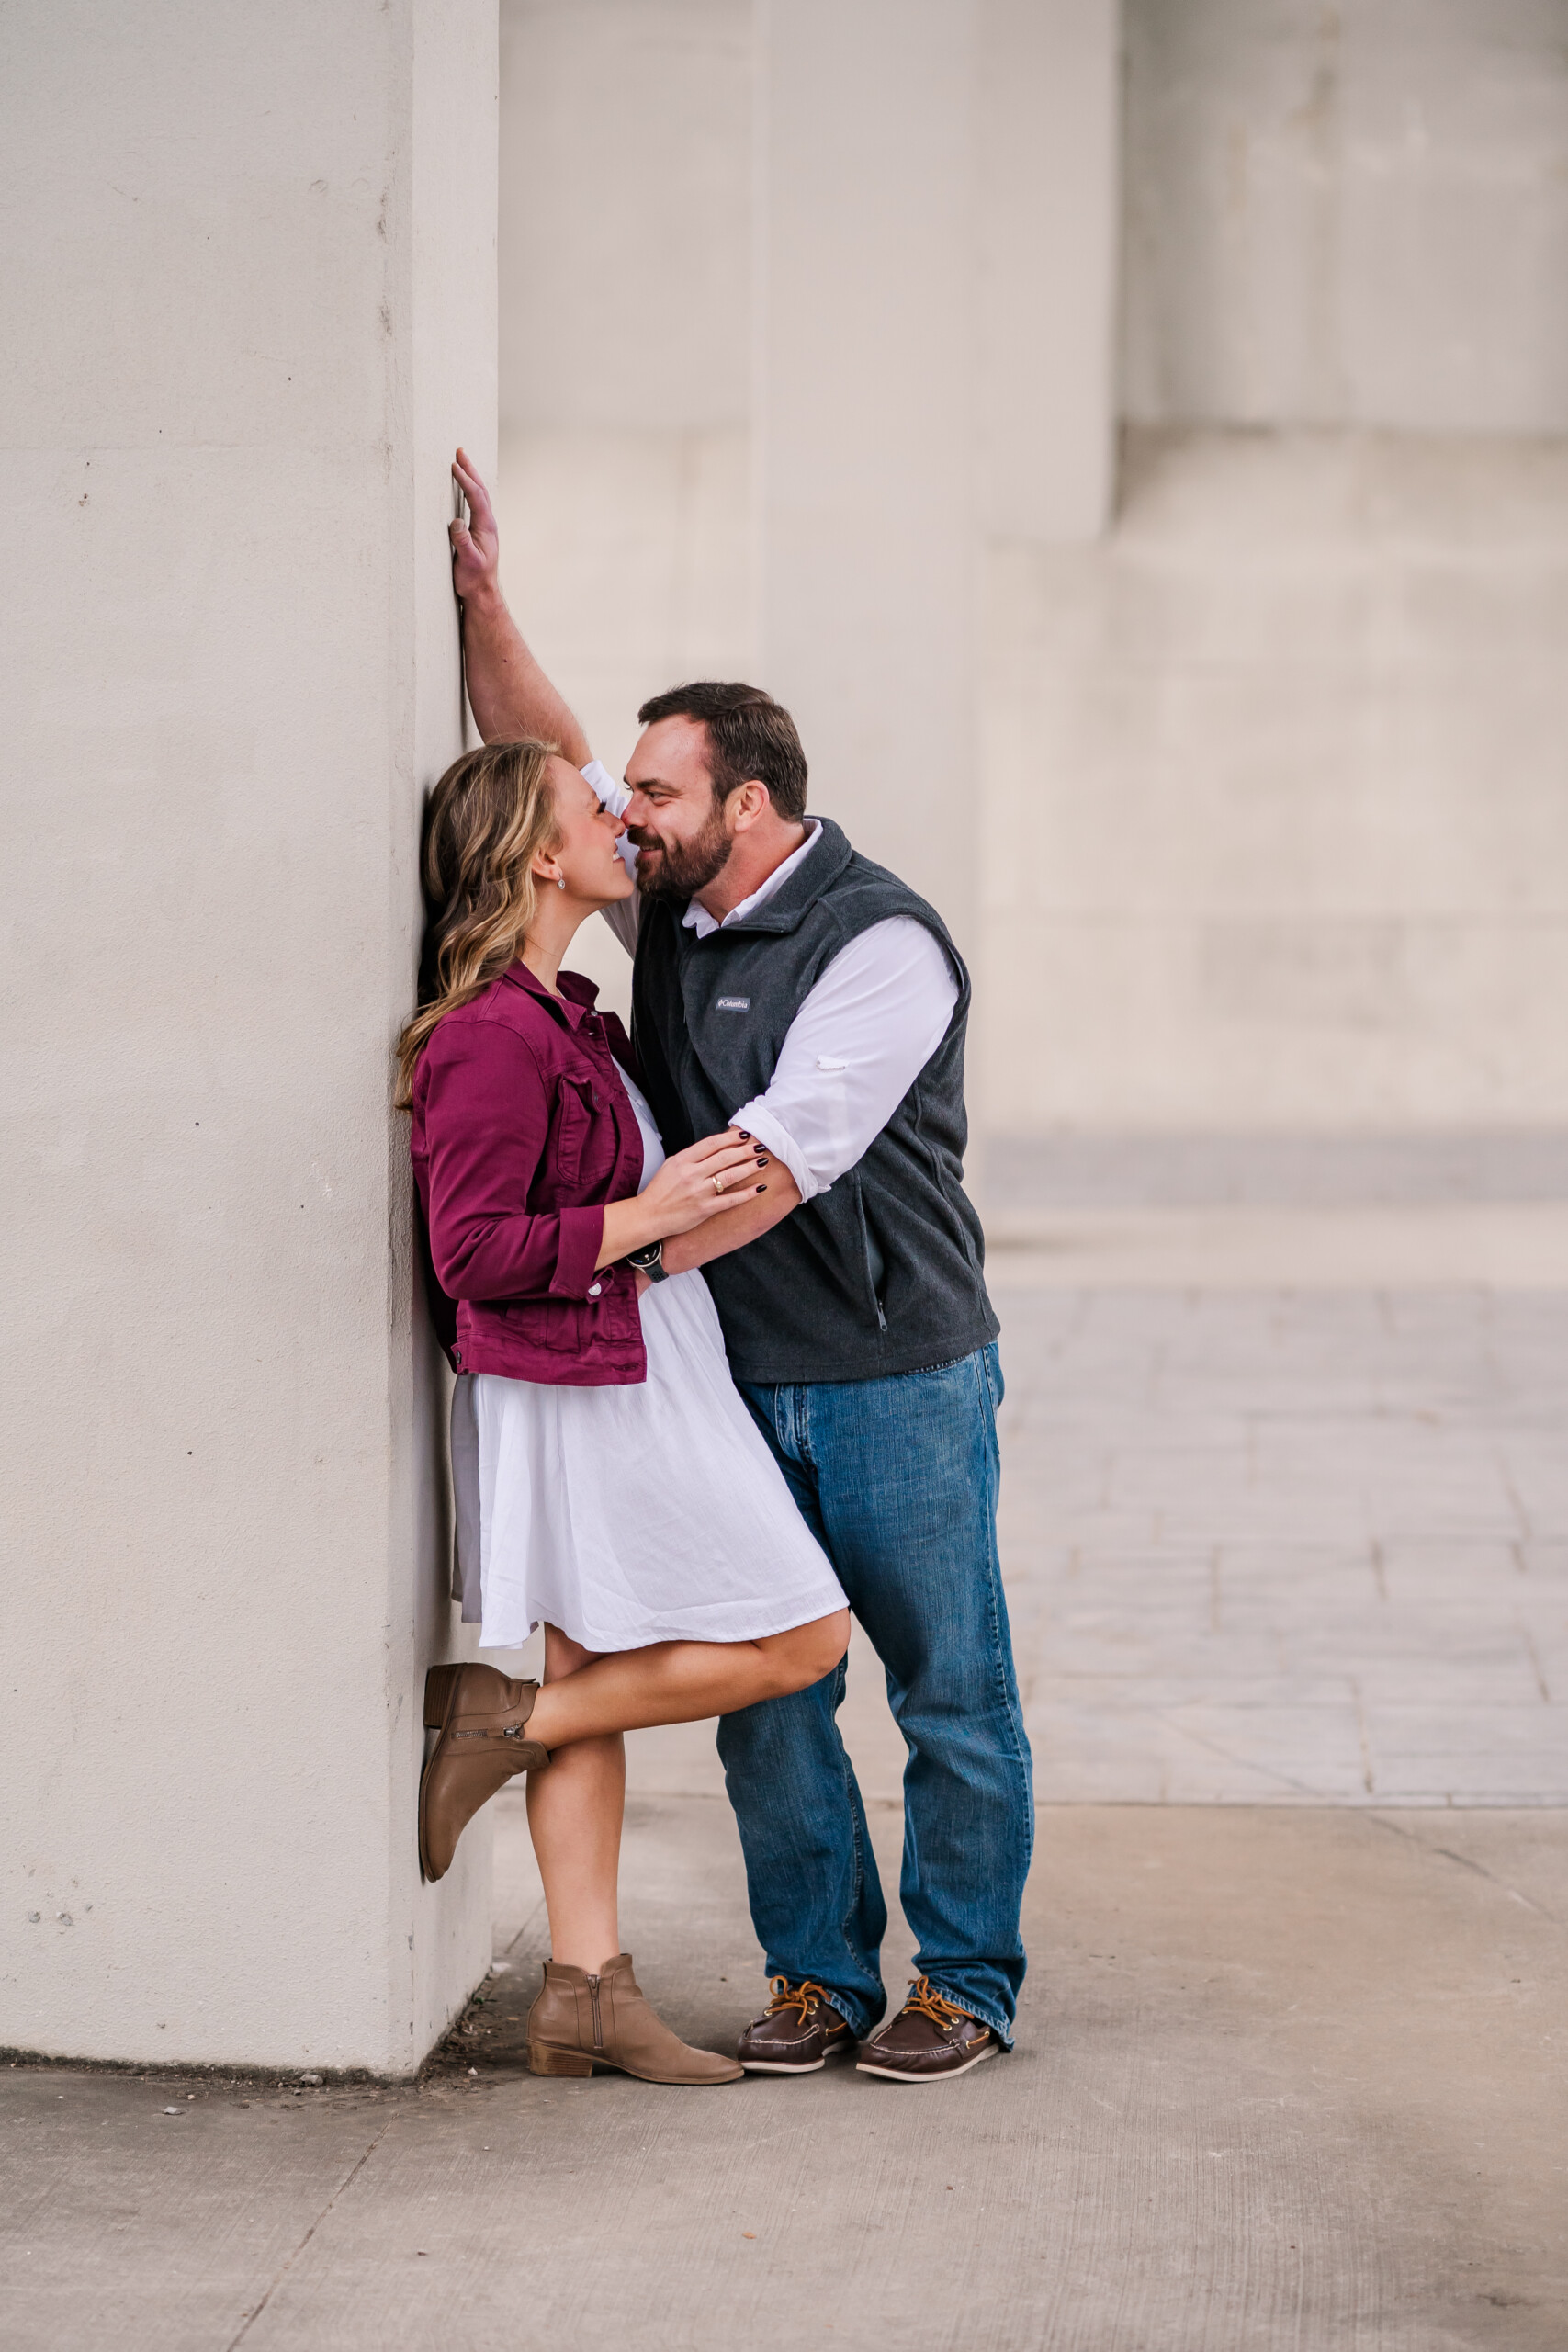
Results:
<point x="763" y="1207"/>
<point x="709" y="1179"/>
<point x="510" y="693"/>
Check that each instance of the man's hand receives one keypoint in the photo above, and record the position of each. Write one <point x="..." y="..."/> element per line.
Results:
<point x="476" y="544"/>
<point x="510" y="694"/>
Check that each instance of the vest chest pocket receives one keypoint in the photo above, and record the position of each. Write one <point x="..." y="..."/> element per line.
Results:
<point x="577" y="1100"/>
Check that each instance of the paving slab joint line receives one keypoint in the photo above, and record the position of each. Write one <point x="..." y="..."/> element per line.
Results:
<point x="349" y="2177"/>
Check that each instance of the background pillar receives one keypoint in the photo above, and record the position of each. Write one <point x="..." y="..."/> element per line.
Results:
<point x="864" y="414"/>
<point x="250" y="305"/>
<point x="1049" y="235"/>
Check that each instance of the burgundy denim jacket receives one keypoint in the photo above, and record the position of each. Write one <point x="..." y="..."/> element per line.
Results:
<point x="521" y="1132"/>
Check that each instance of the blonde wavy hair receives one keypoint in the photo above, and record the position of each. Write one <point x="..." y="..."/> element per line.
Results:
<point x="490" y="815"/>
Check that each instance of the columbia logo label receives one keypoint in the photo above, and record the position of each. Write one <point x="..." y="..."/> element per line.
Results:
<point x="734" y="1004"/>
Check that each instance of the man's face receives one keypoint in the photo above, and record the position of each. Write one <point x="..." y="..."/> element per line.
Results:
<point x="683" y="837"/>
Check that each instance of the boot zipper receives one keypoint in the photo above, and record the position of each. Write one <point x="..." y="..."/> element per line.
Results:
<point x="598" y="2028"/>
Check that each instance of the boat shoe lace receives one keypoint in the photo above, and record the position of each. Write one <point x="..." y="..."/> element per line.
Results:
<point x="924" y="1998"/>
<point x="800" y="1997"/>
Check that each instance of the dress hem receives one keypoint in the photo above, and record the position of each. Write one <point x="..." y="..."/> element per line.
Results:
<point x="615" y="1649"/>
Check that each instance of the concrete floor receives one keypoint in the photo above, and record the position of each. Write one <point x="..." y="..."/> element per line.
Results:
<point x="1289" y="2072"/>
<point x="1285" y="2078"/>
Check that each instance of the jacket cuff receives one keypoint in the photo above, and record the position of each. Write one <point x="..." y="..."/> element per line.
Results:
<point x="581" y="1236"/>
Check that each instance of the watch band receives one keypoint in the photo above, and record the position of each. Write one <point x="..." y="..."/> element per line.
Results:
<point x="649" y="1261"/>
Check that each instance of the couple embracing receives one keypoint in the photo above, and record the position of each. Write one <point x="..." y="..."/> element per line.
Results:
<point x="726" y="1369"/>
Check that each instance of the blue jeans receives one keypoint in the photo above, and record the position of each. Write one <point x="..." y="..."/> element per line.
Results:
<point x="897" y="1480"/>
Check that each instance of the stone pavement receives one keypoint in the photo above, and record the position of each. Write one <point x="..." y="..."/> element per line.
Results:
<point x="1290" y="1548"/>
<point x="1288" y="1571"/>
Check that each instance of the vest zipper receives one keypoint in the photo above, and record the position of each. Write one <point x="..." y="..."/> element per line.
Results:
<point x="598" y="2027"/>
<point x="870" y="1269"/>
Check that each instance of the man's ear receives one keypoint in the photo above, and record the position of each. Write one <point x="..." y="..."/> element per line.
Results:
<point x="749" y="801"/>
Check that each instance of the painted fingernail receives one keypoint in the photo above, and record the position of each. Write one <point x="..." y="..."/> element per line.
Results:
<point x="761" y="1188"/>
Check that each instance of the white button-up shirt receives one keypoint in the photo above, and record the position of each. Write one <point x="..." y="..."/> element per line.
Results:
<point x="863" y="1035"/>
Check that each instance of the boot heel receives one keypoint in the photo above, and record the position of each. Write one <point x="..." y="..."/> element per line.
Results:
<point x="557" y="2061"/>
<point x="437" y="1691"/>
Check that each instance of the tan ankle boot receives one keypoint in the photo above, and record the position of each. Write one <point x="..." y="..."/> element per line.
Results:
<point x="581" y="2021"/>
<point x="480" y="1713"/>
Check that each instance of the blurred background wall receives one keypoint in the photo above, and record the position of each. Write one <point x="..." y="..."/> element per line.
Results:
<point x="1136" y="443"/>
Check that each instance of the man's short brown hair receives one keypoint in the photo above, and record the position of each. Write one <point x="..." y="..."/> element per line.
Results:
<point x="750" y="735"/>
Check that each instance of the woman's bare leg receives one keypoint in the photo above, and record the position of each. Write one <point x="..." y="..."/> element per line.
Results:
<point x="574" y="1815"/>
<point x="680" y="1682"/>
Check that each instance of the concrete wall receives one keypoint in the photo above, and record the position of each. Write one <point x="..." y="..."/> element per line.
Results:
<point x="626" y="490"/>
<point x="1048" y="238"/>
<point x="866" y="419"/>
<point x="249" y="305"/>
<point x="1347" y="215"/>
<point x="1276" y="825"/>
<point x="626" y="225"/>
<point x="737" y="424"/>
<point x="1274" y="814"/>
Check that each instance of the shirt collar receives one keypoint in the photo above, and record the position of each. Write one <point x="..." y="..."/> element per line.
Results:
<point x="699" y="919"/>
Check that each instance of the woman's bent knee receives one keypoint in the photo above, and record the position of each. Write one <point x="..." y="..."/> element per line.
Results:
<point x="805" y="1654"/>
<point x="563" y="1655"/>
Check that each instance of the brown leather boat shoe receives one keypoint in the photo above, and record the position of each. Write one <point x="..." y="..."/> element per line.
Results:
<point x="480" y="1714"/>
<point x="581" y="2021"/>
<point x="797" y="2032"/>
<point x="929" y="2040"/>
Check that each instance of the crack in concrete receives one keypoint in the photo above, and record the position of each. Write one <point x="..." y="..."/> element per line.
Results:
<point x="349" y="2177"/>
<point x="1446" y="1854"/>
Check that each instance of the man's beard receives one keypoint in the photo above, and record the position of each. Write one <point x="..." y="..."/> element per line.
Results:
<point x="683" y="868"/>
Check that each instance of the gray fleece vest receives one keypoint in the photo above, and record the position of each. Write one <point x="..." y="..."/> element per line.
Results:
<point x="883" y="1272"/>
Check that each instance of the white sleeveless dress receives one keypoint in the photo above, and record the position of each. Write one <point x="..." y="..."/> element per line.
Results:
<point x="646" y="1514"/>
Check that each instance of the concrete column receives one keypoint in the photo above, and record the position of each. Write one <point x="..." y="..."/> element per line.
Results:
<point x="1050" y="204"/>
<point x="865" y="418"/>
<point x="249" y="306"/>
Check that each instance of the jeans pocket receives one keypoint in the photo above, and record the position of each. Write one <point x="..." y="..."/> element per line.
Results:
<point x="991" y="1358"/>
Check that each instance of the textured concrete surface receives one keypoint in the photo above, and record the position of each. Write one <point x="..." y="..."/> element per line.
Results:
<point x="1273" y="816"/>
<point x="1285" y="2079"/>
<point x="1345" y="215"/>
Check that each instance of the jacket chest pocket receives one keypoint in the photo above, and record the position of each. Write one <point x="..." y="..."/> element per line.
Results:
<point x="577" y="1107"/>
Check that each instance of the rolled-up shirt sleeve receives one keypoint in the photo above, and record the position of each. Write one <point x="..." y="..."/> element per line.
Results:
<point x="860" y="1040"/>
<point x="486" y="1121"/>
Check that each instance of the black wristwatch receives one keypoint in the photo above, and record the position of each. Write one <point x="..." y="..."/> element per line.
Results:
<point x="649" y="1261"/>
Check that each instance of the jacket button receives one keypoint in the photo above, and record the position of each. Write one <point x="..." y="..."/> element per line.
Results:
<point x="594" y="1289"/>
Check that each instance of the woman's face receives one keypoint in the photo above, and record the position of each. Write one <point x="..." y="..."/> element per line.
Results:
<point x="585" y="857"/>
